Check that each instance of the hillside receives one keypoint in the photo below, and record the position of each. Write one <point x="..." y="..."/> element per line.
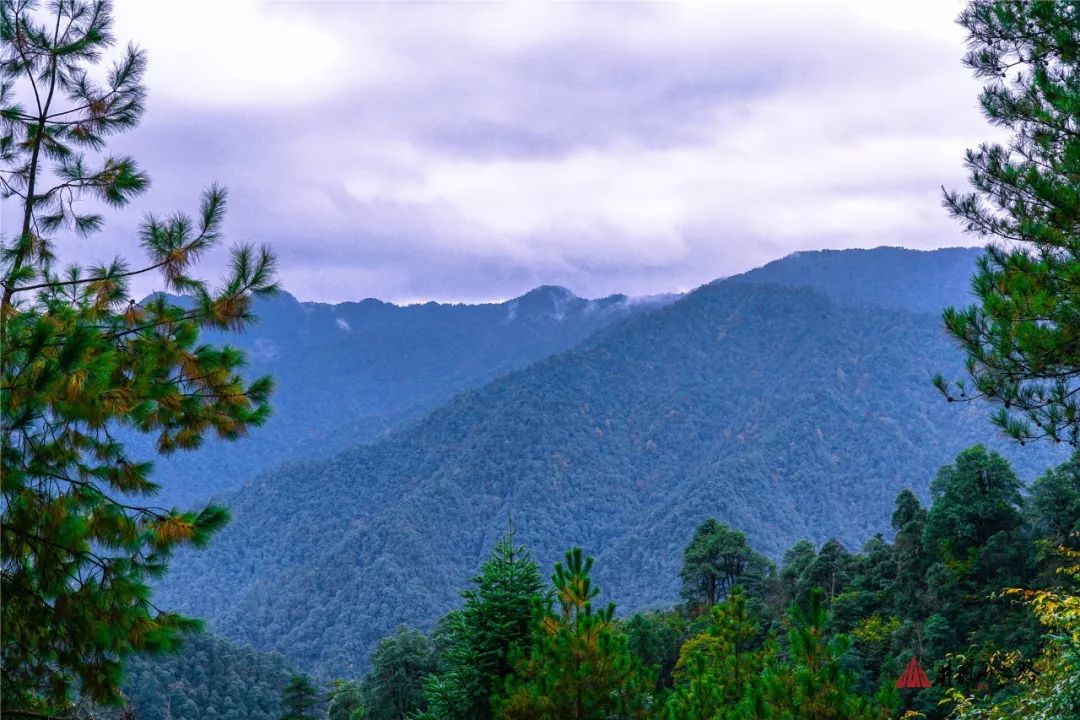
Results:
<point x="347" y="374"/>
<point x="350" y="373"/>
<point x="776" y="409"/>
<point x="208" y="678"/>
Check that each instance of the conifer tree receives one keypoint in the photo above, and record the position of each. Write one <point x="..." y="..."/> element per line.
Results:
<point x="299" y="699"/>
<point x="495" y="622"/>
<point x="1021" y="338"/>
<point x="80" y="361"/>
<point x="813" y="683"/>
<point x="578" y="667"/>
<point x="718" y="668"/>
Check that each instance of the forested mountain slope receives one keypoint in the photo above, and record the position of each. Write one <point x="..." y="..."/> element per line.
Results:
<point x="208" y="679"/>
<point x="347" y="374"/>
<point x="776" y="409"/>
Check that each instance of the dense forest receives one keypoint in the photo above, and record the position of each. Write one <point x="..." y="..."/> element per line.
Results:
<point x="798" y="494"/>
<point x="775" y="409"/>
<point x="748" y="634"/>
<point x="350" y="373"/>
<point x="208" y="679"/>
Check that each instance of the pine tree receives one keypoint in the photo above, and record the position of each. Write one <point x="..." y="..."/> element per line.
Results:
<point x="813" y="684"/>
<point x="299" y="699"/>
<point x="578" y="667"/>
<point x="1022" y="338"/>
<point x="80" y="361"/>
<point x="495" y="622"/>
<point x="718" y="668"/>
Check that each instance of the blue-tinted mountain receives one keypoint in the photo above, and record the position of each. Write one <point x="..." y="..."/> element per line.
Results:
<point x="780" y="410"/>
<point x="347" y="374"/>
<point x="886" y="276"/>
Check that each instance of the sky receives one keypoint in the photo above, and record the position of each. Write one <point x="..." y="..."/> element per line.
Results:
<point x="471" y="151"/>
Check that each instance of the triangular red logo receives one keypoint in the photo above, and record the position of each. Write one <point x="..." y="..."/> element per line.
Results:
<point x="913" y="676"/>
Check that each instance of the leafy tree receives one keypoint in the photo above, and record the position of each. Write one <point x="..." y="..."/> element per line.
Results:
<point x="1054" y="503"/>
<point x="1021" y="336"/>
<point x="394" y="687"/>
<point x="346" y="701"/>
<point x="654" y="639"/>
<point x="578" y="667"/>
<point x="975" y="498"/>
<point x="976" y="537"/>
<point x="299" y="699"/>
<point x="1049" y="688"/>
<point x="716" y="559"/>
<point x="495" y="622"/>
<point x="81" y="361"/>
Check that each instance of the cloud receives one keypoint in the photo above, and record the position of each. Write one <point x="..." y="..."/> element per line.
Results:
<point x="470" y="151"/>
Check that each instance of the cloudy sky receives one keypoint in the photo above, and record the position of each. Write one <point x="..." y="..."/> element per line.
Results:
<point x="467" y="151"/>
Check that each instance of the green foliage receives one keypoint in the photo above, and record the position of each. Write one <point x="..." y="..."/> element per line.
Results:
<point x="1054" y="504"/>
<point x="394" y="687"/>
<point x="209" y="680"/>
<point x="624" y="444"/>
<point x="299" y="699"/>
<point x="812" y="684"/>
<point x="654" y="639"/>
<point x="1021" y="336"/>
<point x="1049" y="687"/>
<point x="578" y="666"/>
<point x="80" y="361"/>
<point x="346" y="701"/>
<point x="975" y="534"/>
<point x="495" y="623"/>
<point x="717" y="559"/>
<point x="719" y="667"/>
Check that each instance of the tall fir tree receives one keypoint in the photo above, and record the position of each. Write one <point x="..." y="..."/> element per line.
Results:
<point x="1022" y="338"/>
<point x="80" y="361"/>
<point x="299" y="699"/>
<point x="393" y="689"/>
<point x="494" y="624"/>
<point x="578" y="666"/>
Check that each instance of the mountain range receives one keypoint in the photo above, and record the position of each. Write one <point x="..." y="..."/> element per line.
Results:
<point x="792" y="402"/>
<point x="350" y="373"/>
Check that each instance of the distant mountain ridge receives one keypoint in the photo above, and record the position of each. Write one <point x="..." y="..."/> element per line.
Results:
<point x="349" y="373"/>
<point x="917" y="280"/>
<point x="776" y="408"/>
